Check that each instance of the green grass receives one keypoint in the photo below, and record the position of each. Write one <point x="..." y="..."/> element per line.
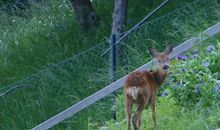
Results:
<point x="172" y="117"/>
<point x="30" y="44"/>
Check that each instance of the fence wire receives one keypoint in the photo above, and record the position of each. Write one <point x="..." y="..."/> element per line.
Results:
<point x="137" y="26"/>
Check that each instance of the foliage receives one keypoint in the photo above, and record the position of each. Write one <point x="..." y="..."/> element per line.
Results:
<point x="193" y="83"/>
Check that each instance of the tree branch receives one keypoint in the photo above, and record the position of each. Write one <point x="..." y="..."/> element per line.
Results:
<point x="13" y="88"/>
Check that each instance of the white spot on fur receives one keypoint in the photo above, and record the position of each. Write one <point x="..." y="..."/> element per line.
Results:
<point x="133" y="91"/>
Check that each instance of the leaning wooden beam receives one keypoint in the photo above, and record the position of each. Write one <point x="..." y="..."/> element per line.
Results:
<point x="119" y="83"/>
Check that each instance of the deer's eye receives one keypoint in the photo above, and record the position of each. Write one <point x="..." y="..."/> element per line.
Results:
<point x="159" y="61"/>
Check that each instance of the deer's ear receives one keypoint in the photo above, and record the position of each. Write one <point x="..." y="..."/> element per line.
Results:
<point x="152" y="52"/>
<point x="169" y="49"/>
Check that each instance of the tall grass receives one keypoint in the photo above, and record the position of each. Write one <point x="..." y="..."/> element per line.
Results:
<point x="31" y="44"/>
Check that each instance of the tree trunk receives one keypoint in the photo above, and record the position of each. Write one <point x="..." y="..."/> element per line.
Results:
<point x="85" y="14"/>
<point x="118" y="25"/>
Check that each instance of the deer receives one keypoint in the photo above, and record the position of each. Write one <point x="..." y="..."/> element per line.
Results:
<point x="141" y="87"/>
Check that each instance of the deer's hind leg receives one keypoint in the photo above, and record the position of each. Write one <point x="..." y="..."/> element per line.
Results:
<point x="136" y="120"/>
<point x="128" y="108"/>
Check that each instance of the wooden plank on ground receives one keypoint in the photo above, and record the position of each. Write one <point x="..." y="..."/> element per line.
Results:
<point x="120" y="82"/>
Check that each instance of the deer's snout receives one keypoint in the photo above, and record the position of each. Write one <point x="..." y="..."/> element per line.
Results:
<point x="165" y="67"/>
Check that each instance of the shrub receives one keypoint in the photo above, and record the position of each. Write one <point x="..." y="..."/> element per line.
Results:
<point x="195" y="80"/>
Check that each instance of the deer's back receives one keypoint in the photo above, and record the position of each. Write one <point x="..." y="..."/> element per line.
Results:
<point x="137" y="79"/>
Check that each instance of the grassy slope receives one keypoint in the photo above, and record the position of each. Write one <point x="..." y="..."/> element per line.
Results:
<point x="31" y="44"/>
<point x="48" y="38"/>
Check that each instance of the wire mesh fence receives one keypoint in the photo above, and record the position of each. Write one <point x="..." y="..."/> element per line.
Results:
<point x="60" y="86"/>
<point x="56" y="88"/>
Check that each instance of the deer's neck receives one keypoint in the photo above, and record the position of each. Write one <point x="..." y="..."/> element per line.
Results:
<point x="159" y="77"/>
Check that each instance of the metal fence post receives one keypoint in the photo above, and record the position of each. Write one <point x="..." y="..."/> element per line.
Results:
<point x="112" y="70"/>
<point x="113" y="57"/>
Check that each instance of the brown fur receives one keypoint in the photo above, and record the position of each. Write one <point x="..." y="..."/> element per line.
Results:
<point x="141" y="86"/>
